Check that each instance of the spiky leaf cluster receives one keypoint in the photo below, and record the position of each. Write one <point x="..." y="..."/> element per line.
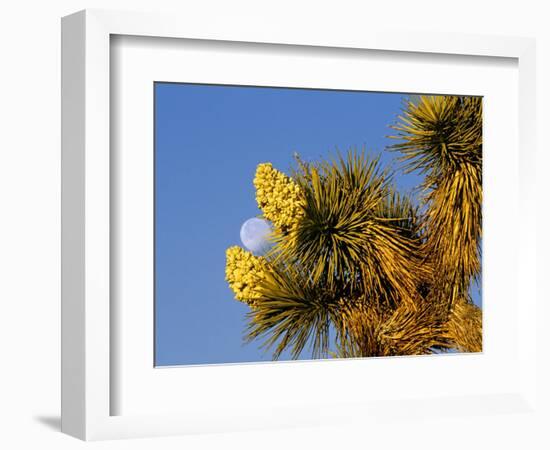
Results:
<point x="405" y="330"/>
<point x="294" y="312"/>
<point x="355" y="258"/>
<point x="439" y="134"/>
<point x="441" y="137"/>
<point x="349" y="233"/>
<point x="355" y="242"/>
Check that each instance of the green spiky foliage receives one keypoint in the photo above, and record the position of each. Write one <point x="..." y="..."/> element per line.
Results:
<point x="463" y="326"/>
<point x="357" y="243"/>
<point x="441" y="136"/>
<point x="348" y="234"/>
<point x="370" y="331"/>
<point x="294" y="311"/>
<point x="362" y="267"/>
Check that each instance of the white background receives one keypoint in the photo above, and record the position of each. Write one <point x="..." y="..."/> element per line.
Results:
<point x="30" y="187"/>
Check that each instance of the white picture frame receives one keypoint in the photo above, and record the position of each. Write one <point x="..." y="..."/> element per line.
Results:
<point x="90" y="388"/>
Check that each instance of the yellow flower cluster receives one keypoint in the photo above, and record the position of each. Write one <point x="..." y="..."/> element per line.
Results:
<point x="244" y="273"/>
<point x="278" y="196"/>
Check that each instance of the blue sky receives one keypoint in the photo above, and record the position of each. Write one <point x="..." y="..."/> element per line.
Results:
<point x="208" y="142"/>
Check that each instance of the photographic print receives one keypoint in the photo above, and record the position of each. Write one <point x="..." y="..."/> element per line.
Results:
<point x="305" y="224"/>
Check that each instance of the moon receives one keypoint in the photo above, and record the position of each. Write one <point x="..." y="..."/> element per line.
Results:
<point x="255" y="235"/>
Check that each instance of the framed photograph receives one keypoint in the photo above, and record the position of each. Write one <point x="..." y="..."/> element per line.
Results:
<point x="351" y="255"/>
<point x="267" y="228"/>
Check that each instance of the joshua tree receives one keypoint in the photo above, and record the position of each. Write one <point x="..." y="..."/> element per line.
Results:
<point x="354" y="258"/>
